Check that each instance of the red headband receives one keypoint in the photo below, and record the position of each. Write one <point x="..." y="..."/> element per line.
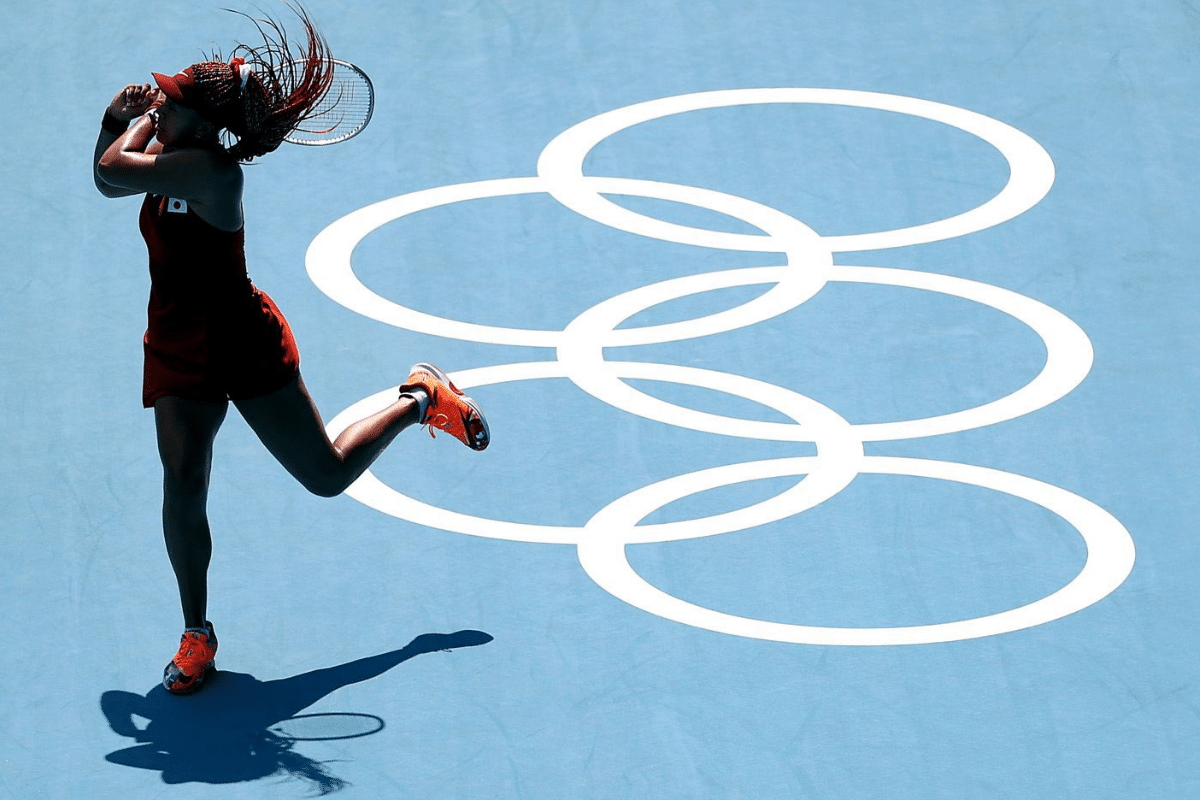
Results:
<point x="179" y="87"/>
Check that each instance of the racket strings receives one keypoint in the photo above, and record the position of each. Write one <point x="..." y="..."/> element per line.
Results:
<point x="343" y="111"/>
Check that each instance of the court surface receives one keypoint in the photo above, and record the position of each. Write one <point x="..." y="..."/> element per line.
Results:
<point x="840" y="362"/>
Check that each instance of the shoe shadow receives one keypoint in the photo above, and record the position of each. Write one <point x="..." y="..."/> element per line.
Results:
<point x="236" y="728"/>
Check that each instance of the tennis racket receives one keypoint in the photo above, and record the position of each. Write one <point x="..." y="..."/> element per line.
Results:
<point x="342" y="113"/>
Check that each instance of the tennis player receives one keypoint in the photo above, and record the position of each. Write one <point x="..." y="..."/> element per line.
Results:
<point x="212" y="336"/>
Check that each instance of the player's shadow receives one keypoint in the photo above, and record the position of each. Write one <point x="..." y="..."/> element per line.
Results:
<point x="235" y="728"/>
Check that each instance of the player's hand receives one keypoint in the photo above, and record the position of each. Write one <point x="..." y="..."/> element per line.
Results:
<point x="133" y="101"/>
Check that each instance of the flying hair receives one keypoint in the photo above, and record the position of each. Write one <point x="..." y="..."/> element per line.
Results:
<point x="283" y="88"/>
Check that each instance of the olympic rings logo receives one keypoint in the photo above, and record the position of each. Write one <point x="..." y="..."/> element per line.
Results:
<point x="807" y="266"/>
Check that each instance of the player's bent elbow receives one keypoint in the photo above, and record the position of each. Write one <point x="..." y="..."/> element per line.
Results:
<point x="106" y="172"/>
<point x="108" y="190"/>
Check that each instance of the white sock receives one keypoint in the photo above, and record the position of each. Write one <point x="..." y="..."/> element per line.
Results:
<point x="422" y="398"/>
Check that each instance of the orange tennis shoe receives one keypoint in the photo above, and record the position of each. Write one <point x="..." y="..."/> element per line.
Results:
<point x="196" y="658"/>
<point x="449" y="409"/>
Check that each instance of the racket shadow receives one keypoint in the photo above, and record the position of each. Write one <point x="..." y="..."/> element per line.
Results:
<point x="223" y="733"/>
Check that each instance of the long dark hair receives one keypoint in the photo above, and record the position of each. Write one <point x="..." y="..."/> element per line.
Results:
<point x="280" y="92"/>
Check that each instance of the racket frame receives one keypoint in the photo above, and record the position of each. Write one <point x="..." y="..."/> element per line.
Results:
<point x="308" y="140"/>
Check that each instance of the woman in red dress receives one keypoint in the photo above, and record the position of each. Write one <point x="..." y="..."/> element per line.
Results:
<point x="214" y="338"/>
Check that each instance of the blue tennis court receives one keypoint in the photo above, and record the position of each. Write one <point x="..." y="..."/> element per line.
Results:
<point x="839" y="361"/>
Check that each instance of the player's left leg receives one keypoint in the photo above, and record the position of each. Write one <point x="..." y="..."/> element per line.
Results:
<point x="186" y="429"/>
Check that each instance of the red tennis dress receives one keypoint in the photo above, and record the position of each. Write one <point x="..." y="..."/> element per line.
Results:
<point x="211" y="334"/>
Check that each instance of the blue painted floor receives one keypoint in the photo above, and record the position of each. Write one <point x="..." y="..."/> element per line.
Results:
<point x="842" y="431"/>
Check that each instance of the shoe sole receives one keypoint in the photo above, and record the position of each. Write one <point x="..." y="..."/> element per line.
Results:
<point x="196" y="686"/>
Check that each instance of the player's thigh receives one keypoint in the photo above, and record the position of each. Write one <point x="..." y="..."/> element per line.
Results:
<point x="185" y="430"/>
<point x="289" y="425"/>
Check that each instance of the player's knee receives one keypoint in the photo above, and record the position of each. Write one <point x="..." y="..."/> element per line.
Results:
<point x="326" y="490"/>
<point x="183" y="478"/>
<point x="323" y="485"/>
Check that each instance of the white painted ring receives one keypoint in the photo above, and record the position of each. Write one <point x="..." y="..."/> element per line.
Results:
<point x="1031" y="170"/>
<point x="1109" y="561"/>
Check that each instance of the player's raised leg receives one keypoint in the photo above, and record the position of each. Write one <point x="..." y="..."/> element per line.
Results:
<point x="289" y="424"/>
